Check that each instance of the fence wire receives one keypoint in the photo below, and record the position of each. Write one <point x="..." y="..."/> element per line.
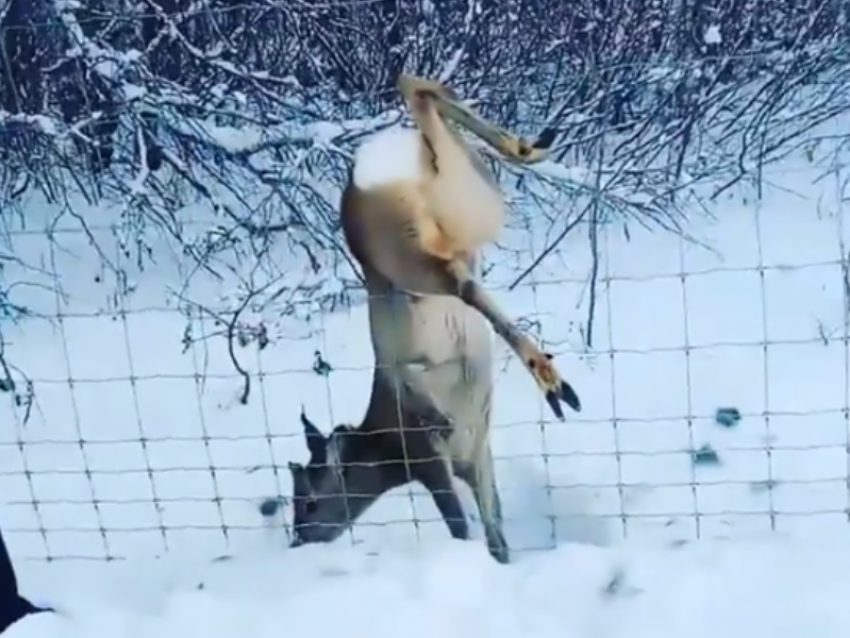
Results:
<point x="172" y="297"/>
<point x="99" y="473"/>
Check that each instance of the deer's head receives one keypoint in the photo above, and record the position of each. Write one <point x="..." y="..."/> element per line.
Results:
<point x="347" y="471"/>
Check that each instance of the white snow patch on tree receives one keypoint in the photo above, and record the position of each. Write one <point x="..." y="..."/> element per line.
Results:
<point x="712" y="35"/>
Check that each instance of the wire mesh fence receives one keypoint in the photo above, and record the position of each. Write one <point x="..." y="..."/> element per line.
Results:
<point x="136" y="444"/>
<point x="175" y="288"/>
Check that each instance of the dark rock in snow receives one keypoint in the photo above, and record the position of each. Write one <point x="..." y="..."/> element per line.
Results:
<point x="706" y="455"/>
<point x="727" y="417"/>
<point x="269" y="507"/>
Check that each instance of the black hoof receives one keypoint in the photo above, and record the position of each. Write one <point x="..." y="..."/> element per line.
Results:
<point x="567" y="395"/>
<point x="498" y="547"/>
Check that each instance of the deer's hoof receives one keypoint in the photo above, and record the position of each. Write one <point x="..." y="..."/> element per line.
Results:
<point x="555" y="389"/>
<point x="499" y="550"/>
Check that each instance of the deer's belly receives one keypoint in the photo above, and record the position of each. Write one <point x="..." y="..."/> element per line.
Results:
<point x="434" y="330"/>
<point x="439" y="348"/>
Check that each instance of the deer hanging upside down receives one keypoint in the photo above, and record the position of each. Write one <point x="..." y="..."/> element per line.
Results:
<point x="417" y="209"/>
<point x="422" y="231"/>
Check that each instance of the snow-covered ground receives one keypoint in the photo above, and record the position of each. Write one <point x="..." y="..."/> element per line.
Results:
<point x="138" y="450"/>
<point x="736" y="590"/>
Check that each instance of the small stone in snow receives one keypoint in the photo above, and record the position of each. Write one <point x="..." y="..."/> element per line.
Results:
<point x="269" y="507"/>
<point x="706" y="455"/>
<point x="727" y="417"/>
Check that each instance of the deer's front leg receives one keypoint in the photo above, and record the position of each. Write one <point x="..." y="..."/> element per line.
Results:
<point x="429" y="467"/>
<point x="538" y="363"/>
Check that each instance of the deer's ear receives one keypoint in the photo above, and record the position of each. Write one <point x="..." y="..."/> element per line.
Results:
<point x="337" y="444"/>
<point x="316" y="444"/>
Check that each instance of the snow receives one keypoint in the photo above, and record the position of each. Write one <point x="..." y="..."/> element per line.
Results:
<point x="140" y="452"/>
<point x="454" y="589"/>
<point x="712" y="35"/>
<point x="389" y="156"/>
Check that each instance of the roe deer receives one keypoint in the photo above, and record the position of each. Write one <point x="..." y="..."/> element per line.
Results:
<point x="418" y="207"/>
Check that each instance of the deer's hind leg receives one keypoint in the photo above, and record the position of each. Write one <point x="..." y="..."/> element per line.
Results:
<point x="423" y="230"/>
<point x="451" y="259"/>
<point x="538" y="363"/>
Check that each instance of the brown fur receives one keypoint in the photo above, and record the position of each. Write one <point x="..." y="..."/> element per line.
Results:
<point x="417" y="241"/>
